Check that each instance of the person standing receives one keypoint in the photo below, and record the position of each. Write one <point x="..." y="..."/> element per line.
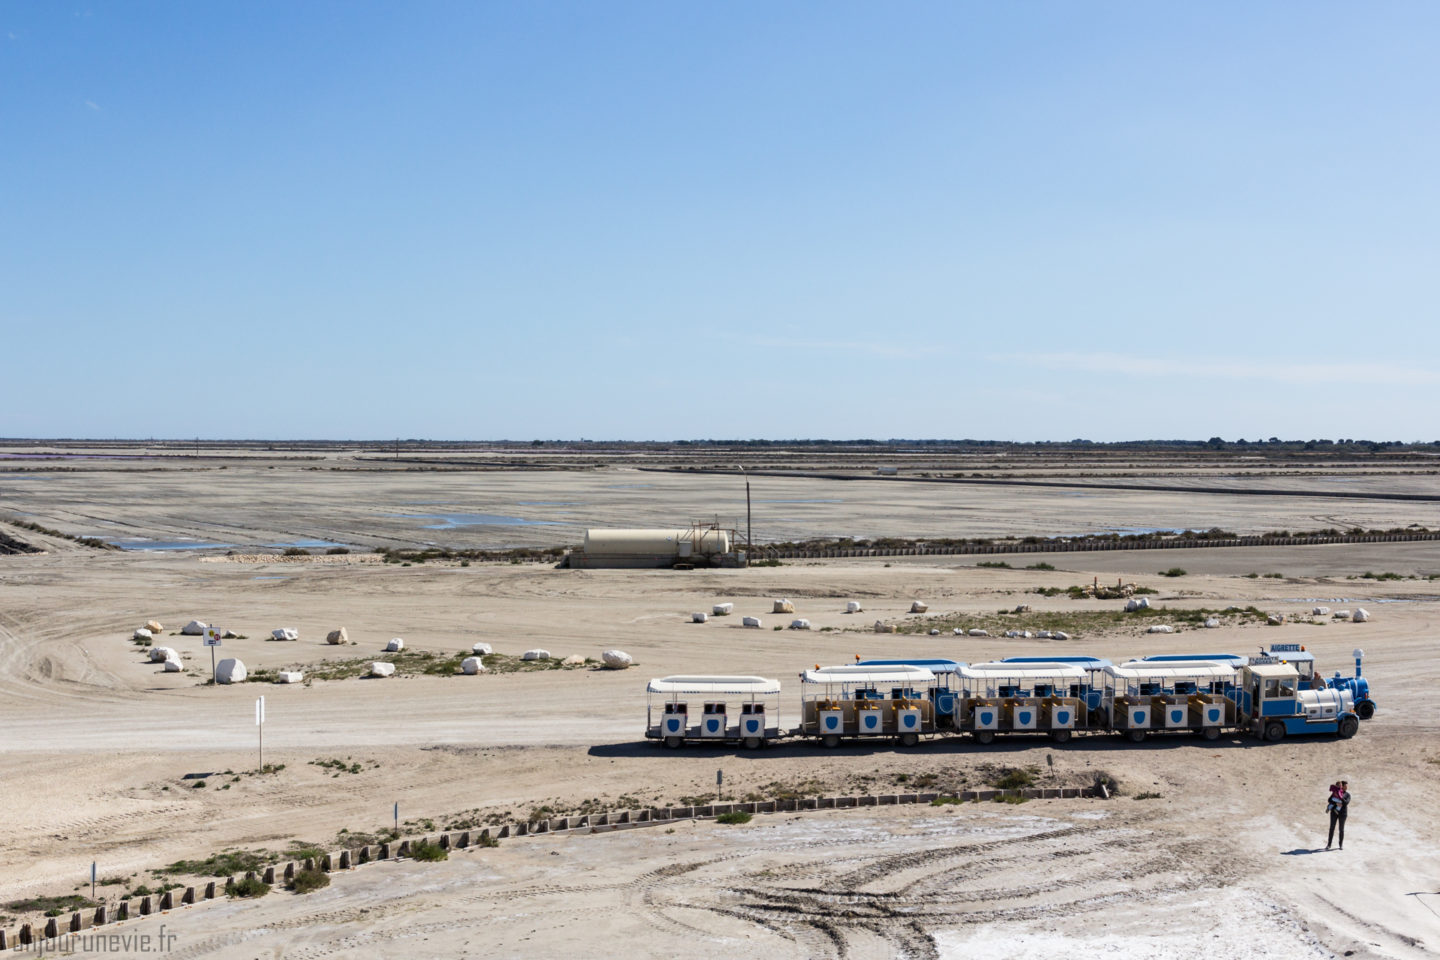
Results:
<point x="1339" y="807"/>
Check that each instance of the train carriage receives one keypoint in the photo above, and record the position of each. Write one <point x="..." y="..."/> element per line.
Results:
<point x="732" y="709"/>
<point x="1023" y="697"/>
<point x="944" y="695"/>
<point x="858" y="701"/>
<point x="1171" y="696"/>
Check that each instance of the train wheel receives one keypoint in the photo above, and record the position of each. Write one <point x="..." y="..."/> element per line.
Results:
<point x="909" y="739"/>
<point x="673" y="742"/>
<point x="1365" y="709"/>
<point x="984" y="736"/>
<point x="1274" y="731"/>
<point x="830" y="741"/>
<point x="1349" y="726"/>
<point x="1059" y="736"/>
<point x="752" y="743"/>
<point x="1135" y="736"/>
<point x="1211" y="733"/>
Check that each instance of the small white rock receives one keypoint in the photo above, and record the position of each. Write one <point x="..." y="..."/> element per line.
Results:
<point x="1340" y="615"/>
<point x="337" y="637"/>
<point x="783" y="606"/>
<point x="1361" y="615"/>
<point x="1211" y="623"/>
<point x="1161" y="628"/>
<point x="800" y="624"/>
<point x="977" y="632"/>
<point x="919" y="606"/>
<point x="471" y="666"/>
<point x="161" y="654"/>
<point x="143" y="634"/>
<point x="382" y="669"/>
<point x="934" y="631"/>
<point x="230" y="670"/>
<point x="285" y="633"/>
<point x="1060" y="635"/>
<point x="481" y="650"/>
<point x="173" y="666"/>
<point x="395" y="645"/>
<point x="154" y="627"/>
<point x="573" y="661"/>
<point x="853" y="606"/>
<point x="722" y="609"/>
<point x="750" y="622"/>
<point x="1046" y="635"/>
<point x="194" y="628"/>
<point x="289" y="676"/>
<point x="1320" y="612"/>
<point x="535" y="655"/>
<point x="699" y="617"/>
<point x="616" y="659"/>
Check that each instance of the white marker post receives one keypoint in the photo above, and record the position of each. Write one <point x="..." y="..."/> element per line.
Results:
<point x="260" y="726"/>
<point x="212" y="640"/>
<point x="92" y="879"/>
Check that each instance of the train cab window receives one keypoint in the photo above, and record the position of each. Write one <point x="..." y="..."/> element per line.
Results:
<point x="1287" y="687"/>
<point x="1272" y="688"/>
<point x="1044" y="690"/>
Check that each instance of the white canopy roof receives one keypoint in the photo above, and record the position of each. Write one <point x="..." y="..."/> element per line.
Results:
<point x="1173" y="669"/>
<point x="1023" y="671"/>
<point x="1274" y="670"/>
<point x="712" y="686"/>
<point x="877" y="675"/>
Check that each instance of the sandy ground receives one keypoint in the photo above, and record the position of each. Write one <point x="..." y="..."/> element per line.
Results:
<point x="1227" y="860"/>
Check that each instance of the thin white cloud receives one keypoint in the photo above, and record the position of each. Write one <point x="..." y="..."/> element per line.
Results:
<point x="92" y="104"/>
<point x="1140" y="365"/>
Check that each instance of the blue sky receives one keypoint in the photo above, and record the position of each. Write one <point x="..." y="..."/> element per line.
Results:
<point x="682" y="220"/>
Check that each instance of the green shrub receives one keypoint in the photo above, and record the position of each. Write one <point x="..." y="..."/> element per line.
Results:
<point x="1041" y="566"/>
<point x="428" y="852"/>
<point x="248" y="888"/>
<point x="1015" y="779"/>
<point x="336" y="551"/>
<point x="487" y="841"/>
<point x="296" y="552"/>
<point x="1173" y="572"/>
<point x="308" y="881"/>
<point x="1000" y="564"/>
<point x="734" y="816"/>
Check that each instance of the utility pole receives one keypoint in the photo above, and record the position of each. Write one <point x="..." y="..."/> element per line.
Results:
<point x="260" y="727"/>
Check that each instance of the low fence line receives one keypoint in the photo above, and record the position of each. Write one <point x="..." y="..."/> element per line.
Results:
<point x="1076" y="546"/>
<point x="349" y="859"/>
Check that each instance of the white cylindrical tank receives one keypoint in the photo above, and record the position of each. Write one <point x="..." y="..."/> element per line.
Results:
<point x="655" y="542"/>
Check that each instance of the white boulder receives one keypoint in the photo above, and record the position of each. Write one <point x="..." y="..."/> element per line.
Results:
<point x="934" y="631"/>
<point x="284" y="633"/>
<point x="882" y="627"/>
<point x="161" y="654"/>
<point x="1211" y="623"/>
<point x="395" y="645"/>
<point x="1012" y="634"/>
<point x="574" y="660"/>
<point x="535" y="655"/>
<point x="173" y="666"/>
<point x="919" y="606"/>
<point x="699" y="617"/>
<point x="1161" y="628"/>
<point x="482" y="650"/>
<point x="230" y="670"/>
<point x="853" y="606"/>
<point x="1060" y="635"/>
<point x="616" y="659"/>
<point x="143" y="634"/>
<point x="194" y="628"/>
<point x="1361" y="615"/>
<point x="1340" y="615"/>
<point x="337" y="637"/>
<point x="722" y="609"/>
<point x="783" y="606"/>
<point x="1275" y="619"/>
<point x="1320" y="612"/>
<point x="382" y="669"/>
<point x="751" y="622"/>
<point x="1046" y="635"/>
<point x="289" y="676"/>
<point x="154" y="627"/>
<point x="471" y="666"/>
<point x="800" y="624"/>
<point x="977" y="632"/>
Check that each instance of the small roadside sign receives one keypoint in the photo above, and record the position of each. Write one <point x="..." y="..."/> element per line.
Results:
<point x="212" y="637"/>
